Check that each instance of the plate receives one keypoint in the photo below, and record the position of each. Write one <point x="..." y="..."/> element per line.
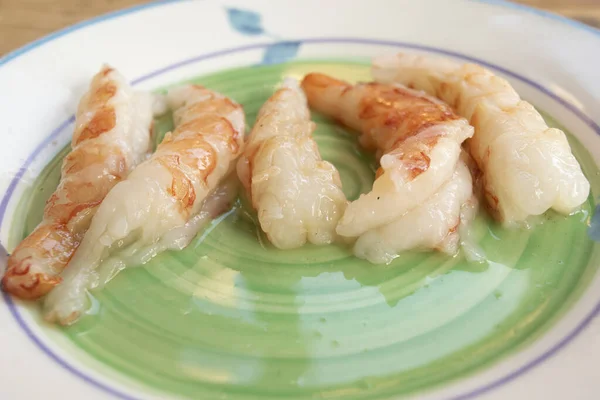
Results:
<point x="232" y="318"/>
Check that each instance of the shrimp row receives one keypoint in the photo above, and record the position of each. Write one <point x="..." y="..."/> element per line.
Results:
<point x="114" y="207"/>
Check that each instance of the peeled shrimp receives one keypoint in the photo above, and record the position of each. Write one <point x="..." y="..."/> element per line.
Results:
<point x="112" y="135"/>
<point x="432" y="225"/>
<point x="297" y="195"/>
<point x="161" y="194"/>
<point x="417" y="137"/>
<point x="527" y="167"/>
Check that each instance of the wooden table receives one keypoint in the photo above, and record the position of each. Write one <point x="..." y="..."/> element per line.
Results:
<point x="22" y="21"/>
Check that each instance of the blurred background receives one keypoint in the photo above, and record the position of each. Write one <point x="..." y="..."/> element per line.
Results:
<point x="22" y="21"/>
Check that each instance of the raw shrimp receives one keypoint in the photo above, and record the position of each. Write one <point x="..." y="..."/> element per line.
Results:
<point x="418" y="138"/>
<point x="432" y="225"/>
<point x="163" y="193"/>
<point x="112" y="135"/>
<point x="527" y="167"/>
<point x="297" y="195"/>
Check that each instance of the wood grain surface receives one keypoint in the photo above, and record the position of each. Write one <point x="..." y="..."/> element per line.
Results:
<point x="22" y="21"/>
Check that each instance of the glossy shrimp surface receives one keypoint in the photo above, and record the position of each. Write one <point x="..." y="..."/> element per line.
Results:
<point x="431" y="225"/>
<point x="112" y="135"/>
<point x="297" y="195"/>
<point x="417" y="195"/>
<point x="527" y="167"/>
<point x="417" y="138"/>
<point x="162" y="194"/>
